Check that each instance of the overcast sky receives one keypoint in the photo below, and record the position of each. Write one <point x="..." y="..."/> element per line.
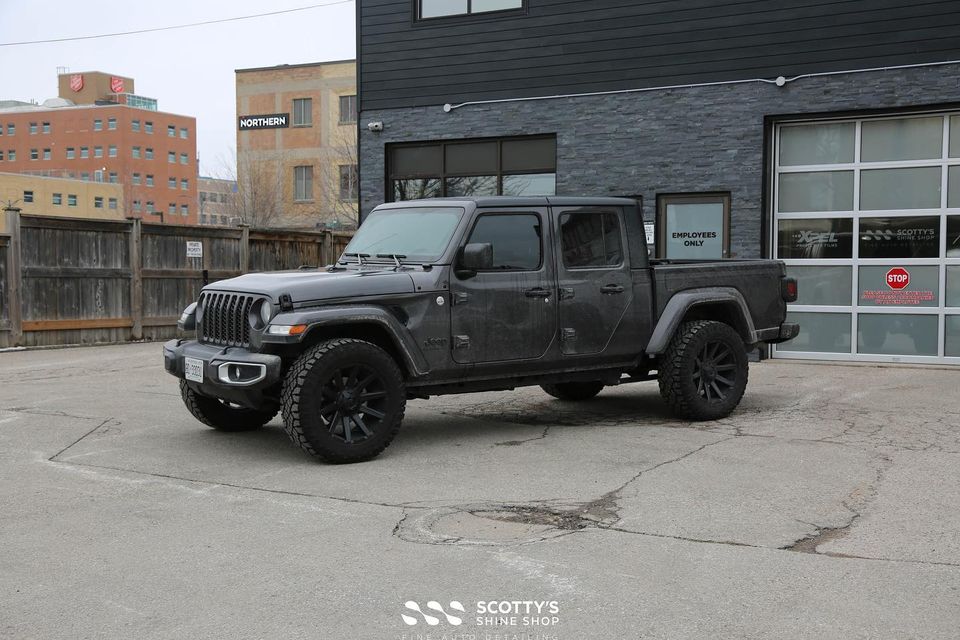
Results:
<point x="189" y="71"/>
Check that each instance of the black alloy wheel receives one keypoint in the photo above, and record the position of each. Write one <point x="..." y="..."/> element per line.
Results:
<point x="715" y="371"/>
<point x="343" y="400"/>
<point x="354" y="403"/>
<point x="703" y="373"/>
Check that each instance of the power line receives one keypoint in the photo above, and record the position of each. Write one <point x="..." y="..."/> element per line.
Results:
<point x="176" y="26"/>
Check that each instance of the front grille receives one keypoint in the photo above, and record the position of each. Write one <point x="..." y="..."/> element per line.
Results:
<point x="223" y="319"/>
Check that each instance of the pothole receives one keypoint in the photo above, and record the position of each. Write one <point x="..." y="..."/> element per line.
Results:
<point x="490" y="525"/>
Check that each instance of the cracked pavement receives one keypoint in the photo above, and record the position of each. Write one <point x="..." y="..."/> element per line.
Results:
<point x="826" y="506"/>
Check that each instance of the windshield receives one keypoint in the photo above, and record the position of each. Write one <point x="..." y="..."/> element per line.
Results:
<point x="416" y="234"/>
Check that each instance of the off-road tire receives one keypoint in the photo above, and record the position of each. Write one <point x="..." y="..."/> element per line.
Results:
<point x="222" y="416"/>
<point x="306" y="393"/>
<point x="683" y="389"/>
<point x="573" y="391"/>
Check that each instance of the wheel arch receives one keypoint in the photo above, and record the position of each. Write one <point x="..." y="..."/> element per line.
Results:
<point x="371" y="324"/>
<point x="723" y="304"/>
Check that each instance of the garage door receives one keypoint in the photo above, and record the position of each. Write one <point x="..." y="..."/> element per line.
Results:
<point x="867" y="218"/>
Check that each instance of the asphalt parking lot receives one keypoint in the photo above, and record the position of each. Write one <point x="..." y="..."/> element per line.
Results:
<point x="826" y="506"/>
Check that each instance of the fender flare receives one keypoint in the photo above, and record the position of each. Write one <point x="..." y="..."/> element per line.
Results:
<point x="683" y="301"/>
<point x="402" y="339"/>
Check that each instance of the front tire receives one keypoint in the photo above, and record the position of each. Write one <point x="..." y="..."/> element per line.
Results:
<point x="573" y="391"/>
<point x="343" y="400"/>
<point x="704" y="371"/>
<point x="221" y="415"/>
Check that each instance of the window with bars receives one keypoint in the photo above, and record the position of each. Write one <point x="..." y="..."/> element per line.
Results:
<point x="348" y="182"/>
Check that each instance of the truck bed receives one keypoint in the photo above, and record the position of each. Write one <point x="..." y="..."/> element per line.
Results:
<point x="754" y="279"/>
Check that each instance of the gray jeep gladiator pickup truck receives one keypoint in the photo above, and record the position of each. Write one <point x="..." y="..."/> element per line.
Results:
<point x="450" y="296"/>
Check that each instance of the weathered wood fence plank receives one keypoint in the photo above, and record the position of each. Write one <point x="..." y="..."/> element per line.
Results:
<point x="69" y="281"/>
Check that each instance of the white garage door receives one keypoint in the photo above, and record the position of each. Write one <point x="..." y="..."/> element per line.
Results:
<point x="867" y="218"/>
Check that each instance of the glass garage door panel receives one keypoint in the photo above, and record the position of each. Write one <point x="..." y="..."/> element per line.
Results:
<point x="816" y="191"/>
<point x="921" y="290"/>
<point x="815" y="144"/>
<point x="913" y="188"/>
<point x="952" y="347"/>
<point x="897" y="334"/>
<point x="819" y="332"/>
<point x="826" y="286"/>
<point x="953" y="286"/>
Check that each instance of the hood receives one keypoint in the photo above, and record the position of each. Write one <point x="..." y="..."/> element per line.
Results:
<point x="319" y="284"/>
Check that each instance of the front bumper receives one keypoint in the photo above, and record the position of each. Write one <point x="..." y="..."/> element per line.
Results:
<point x="254" y="391"/>
<point x="776" y="335"/>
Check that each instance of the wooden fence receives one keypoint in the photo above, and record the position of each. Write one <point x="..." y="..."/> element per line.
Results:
<point x="71" y="281"/>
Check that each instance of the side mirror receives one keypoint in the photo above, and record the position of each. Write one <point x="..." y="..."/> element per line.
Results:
<point x="477" y="256"/>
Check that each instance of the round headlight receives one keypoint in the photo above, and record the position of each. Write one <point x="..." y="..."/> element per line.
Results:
<point x="266" y="312"/>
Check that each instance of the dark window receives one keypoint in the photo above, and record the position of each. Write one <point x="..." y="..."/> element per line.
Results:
<point x="58" y="198"/>
<point x="953" y="237"/>
<point x="815" y="238"/>
<point x="302" y="112"/>
<point x="348" y="182"/>
<point x="348" y="109"/>
<point x="909" y="237"/>
<point x="590" y="239"/>
<point x="515" y="238"/>
<point x="98" y="202"/>
<point x="28" y="196"/>
<point x="513" y="166"/>
<point x="444" y="8"/>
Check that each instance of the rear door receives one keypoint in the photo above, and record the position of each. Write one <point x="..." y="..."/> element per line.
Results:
<point x="594" y="283"/>
<point x="508" y="312"/>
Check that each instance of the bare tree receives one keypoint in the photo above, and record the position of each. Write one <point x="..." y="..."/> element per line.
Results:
<point x="338" y="185"/>
<point x="258" y="200"/>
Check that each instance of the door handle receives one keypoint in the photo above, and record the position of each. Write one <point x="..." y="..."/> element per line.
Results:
<point x="537" y="292"/>
<point x="611" y="289"/>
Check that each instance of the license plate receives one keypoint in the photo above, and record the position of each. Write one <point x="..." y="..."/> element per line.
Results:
<point x="193" y="369"/>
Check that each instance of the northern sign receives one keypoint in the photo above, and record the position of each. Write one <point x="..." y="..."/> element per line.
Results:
<point x="268" y="121"/>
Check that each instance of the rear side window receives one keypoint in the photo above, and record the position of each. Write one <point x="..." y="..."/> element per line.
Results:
<point x="515" y="238"/>
<point x="590" y="239"/>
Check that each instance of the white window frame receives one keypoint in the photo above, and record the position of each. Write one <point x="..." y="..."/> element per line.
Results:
<point x="941" y="311"/>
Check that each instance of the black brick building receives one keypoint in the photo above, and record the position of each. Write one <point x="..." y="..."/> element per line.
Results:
<point x="826" y="134"/>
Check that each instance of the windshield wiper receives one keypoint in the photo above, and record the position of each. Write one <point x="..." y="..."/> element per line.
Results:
<point x="358" y="256"/>
<point x="396" y="257"/>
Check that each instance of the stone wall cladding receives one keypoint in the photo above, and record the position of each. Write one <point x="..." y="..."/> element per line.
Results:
<point x="698" y="139"/>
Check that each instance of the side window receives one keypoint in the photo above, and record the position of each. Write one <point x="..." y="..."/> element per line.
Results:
<point x="516" y="239"/>
<point x="590" y="239"/>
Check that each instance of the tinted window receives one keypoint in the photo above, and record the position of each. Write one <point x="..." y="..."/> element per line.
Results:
<point x="816" y="238"/>
<point x="590" y="239"/>
<point x="909" y="237"/>
<point x="515" y="239"/>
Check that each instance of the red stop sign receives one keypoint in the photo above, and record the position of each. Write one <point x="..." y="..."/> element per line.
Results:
<point x="898" y="278"/>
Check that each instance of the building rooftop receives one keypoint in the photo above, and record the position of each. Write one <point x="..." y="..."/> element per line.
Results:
<point x="295" y="66"/>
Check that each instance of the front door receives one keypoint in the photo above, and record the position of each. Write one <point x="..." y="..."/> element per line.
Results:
<point x="507" y="312"/>
<point x="594" y="278"/>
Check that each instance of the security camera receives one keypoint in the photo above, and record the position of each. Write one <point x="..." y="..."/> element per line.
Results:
<point x="376" y="127"/>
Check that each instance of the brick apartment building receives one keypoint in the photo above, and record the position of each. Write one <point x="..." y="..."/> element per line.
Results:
<point x="296" y="144"/>
<point x="217" y="201"/>
<point x="99" y="130"/>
